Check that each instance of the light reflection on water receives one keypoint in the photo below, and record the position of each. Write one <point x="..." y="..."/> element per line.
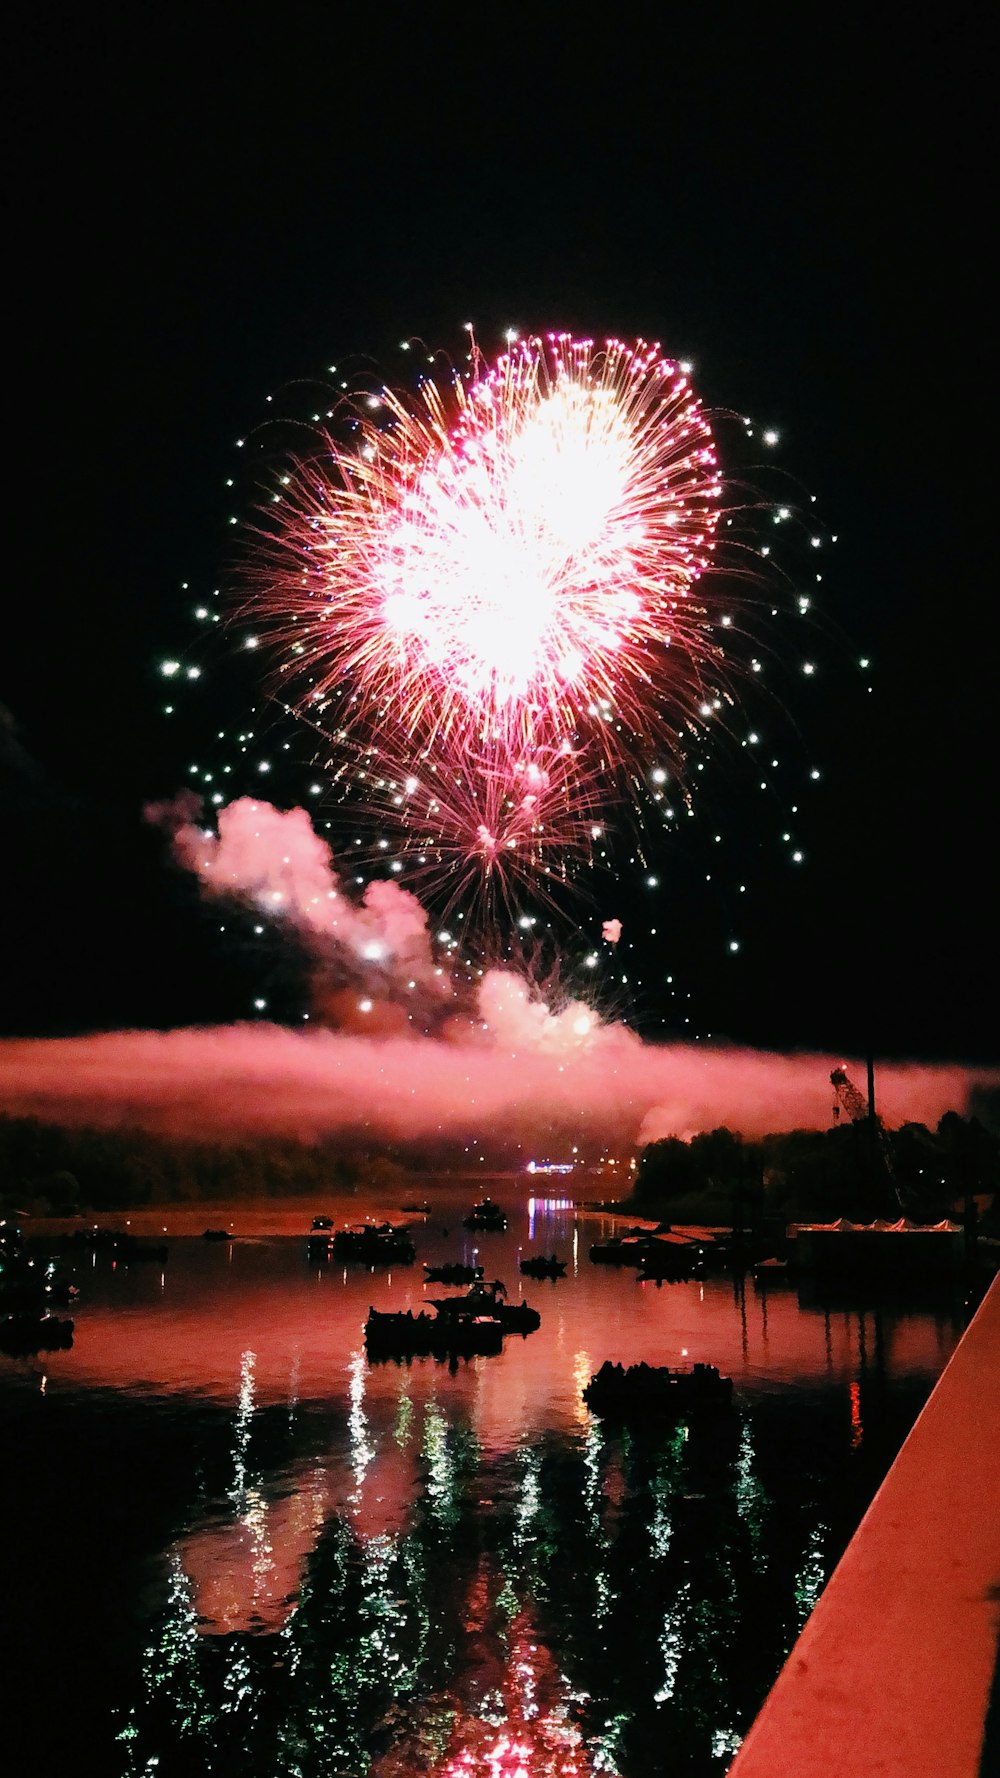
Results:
<point x="378" y="1571"/>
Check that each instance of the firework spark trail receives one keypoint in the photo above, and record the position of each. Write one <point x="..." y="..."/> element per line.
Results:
<point x="501" y="568"/>
<point x="482" y="826"/>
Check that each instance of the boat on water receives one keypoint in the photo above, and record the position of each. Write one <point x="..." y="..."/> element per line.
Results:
<point x="635" y="1249"/>
<point x="664" y="1263"/>
<point x="473" y="1325"/>
<point x="401" y="1334"/>
<point x="543" y="1265"/>
<point x="486" y="1302"/>
<point x="452" y="1273"/>
<point x="28" y="1284"/>
<point x="374" y="1244"/>
<point x="486" y="1216"/>
<point x="22" y="1335"/>
<point x="645" y="1391"/>
<point x="773" y="1271"/>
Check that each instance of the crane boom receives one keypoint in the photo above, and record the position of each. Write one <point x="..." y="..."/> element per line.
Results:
<point x="861" y="1111"/>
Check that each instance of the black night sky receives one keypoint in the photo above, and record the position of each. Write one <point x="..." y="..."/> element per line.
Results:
<point x="203" y="214"/>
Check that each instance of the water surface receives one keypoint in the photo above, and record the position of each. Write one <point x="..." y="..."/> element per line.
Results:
<point x="234" y="1546"/>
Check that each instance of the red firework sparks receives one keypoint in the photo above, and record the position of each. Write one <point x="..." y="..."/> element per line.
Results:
<point x="482" y="824"/>
<point x="510" y="558"/>
<point x="488" y="602"/>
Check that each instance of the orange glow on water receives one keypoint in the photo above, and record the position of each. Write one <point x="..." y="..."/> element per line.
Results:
<point x="857" y="1427"/>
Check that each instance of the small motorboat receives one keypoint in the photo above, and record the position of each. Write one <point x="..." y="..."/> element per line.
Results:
<point x="653" y="1392"/>
<point x="22" y="1335"/>
<point x="452" y="1273"/>
<point x="487" y="1302"/>
<point x="768" y="1272"/>
<point x="374" y="1244"/>
<point x="486" y="1216"/>
<point x="402" y="1334"/>
<point x="633" y="1249"/>
<point x="667" y="1262"/>
<point x="543" y="1265"/>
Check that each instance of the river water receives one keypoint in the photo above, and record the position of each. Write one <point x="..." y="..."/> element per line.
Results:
<point x="235" y="1547"/>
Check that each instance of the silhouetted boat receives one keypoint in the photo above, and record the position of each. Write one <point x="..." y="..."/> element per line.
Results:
<point x="664" y="1262"/>
<point x="543" y="1265"/>
<point x="486" y="1216"/>
<point x="773" y="1271"/>
<point x="405" y="1335"/>
<point x="486" y="1302"/>
<point x="644" y="1391"/>
<point x="452" y="1273"/>
<point x="216" y="1235"/>
<point x="375" y="1244"/>
<point x="21" y="1335"/>
<point x="27" y="1283"/>
<point x="625" y="1250"/>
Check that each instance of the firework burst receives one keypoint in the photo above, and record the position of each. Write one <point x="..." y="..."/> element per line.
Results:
<point x="508" y="560"/>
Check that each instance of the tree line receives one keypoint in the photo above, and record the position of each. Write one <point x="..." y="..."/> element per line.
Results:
<point x="851" y="1170"/>
<point x="50" y="1168"/>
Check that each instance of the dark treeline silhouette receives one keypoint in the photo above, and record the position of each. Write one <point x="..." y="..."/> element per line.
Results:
<point x="717" y="1176"/>
<point x="822" y="1174"/>
<point x="48" y="1167"/>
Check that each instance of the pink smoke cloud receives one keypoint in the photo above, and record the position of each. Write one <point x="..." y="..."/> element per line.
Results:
<point x="276" y="861"/>
<point x="608" y="1087"/>
<point x="505" y="1067"/>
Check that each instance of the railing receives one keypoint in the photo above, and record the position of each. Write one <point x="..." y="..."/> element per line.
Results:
<point x="891" y="1676"/>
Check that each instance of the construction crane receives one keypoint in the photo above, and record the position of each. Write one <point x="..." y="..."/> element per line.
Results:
<point x="862" y="1113"/>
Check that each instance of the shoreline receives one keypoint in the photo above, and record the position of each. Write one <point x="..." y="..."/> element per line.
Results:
<point x="257" y="1218"/>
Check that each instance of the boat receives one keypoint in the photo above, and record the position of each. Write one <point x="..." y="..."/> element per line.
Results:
<point x="643" y="1391"/>
<point x="374" y="1244"/>
<point x="665" y="1261"/>
<point x="29" y="1284"/>
<point x="216" y="1235"/>
<point x="626" y="1250"/>
<point x="486" y="1302"/>
<point x="486" y="1216"/>
<point x="773" y="1271"/>
<point x="21" y="1335"/>
<point x="401" y="1334"/>
<point x="543" y="1265"/>
<point x="473" y="1325"/>
<point x="453" y="1273"/>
